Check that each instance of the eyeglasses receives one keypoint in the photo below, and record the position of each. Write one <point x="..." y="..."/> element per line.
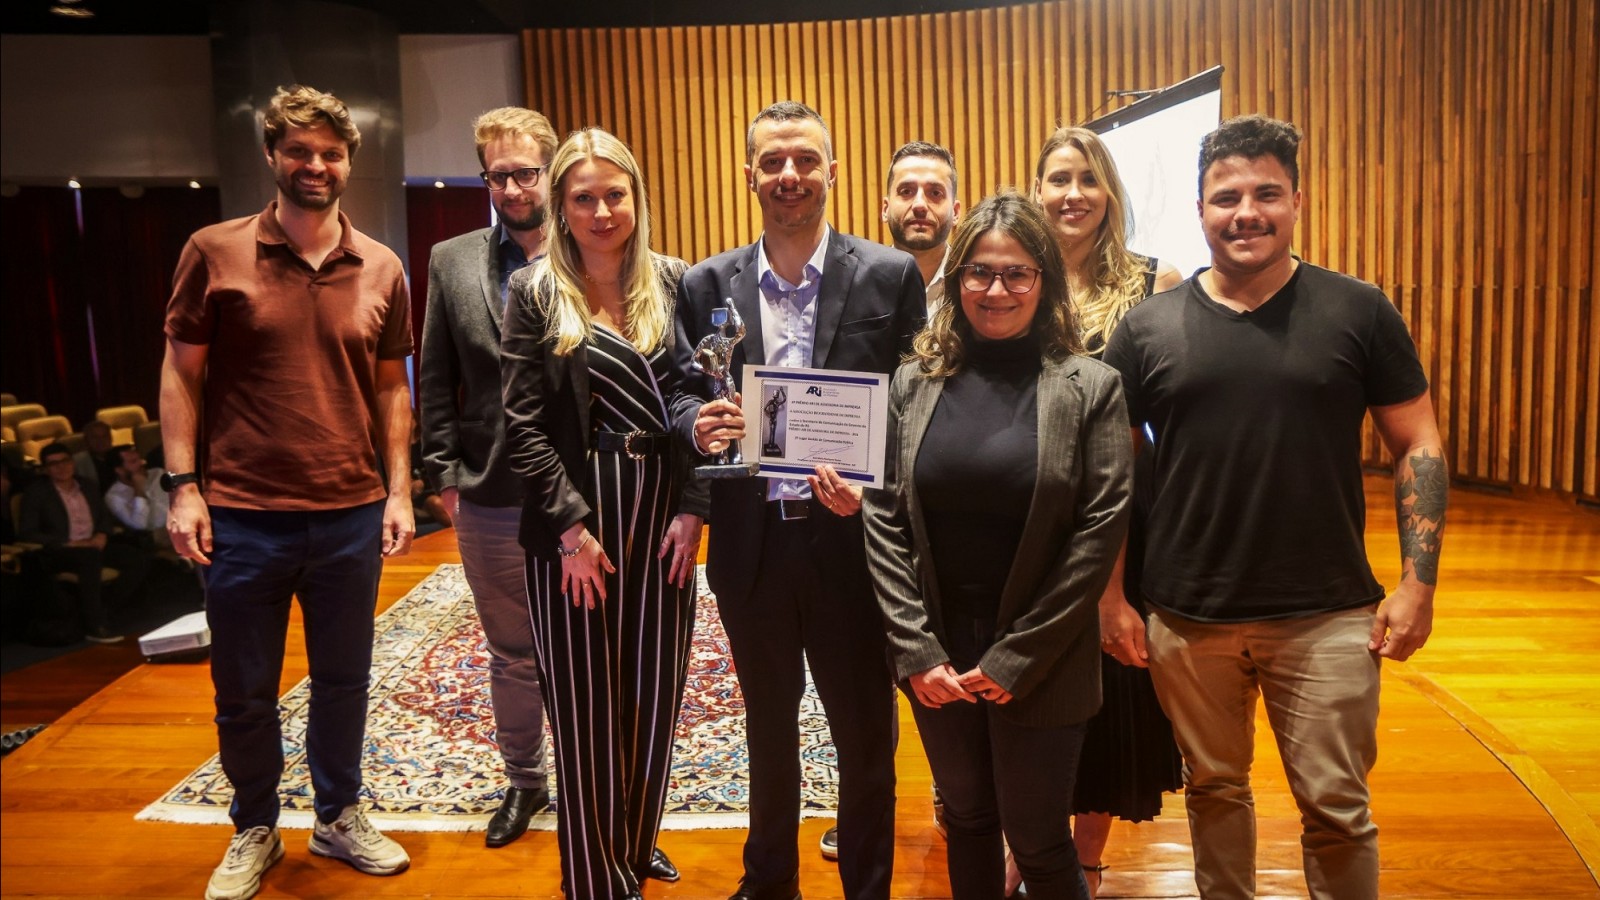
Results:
<point x="525" y="178"/>
<point x="979" y="278"/>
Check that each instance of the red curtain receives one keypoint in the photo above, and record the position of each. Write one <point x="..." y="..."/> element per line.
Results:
<point x="131" y="248"/>
<point x="46" y="339"/>
<point x="434" y="215"/>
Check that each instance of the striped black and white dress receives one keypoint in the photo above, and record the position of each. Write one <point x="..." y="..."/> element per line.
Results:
<point x="613" y="676"/>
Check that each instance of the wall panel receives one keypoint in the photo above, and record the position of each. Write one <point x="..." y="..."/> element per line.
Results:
<point x="1450" y="156"/>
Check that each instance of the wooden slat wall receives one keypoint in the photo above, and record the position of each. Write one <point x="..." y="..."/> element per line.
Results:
<point x="1450" y="155"/>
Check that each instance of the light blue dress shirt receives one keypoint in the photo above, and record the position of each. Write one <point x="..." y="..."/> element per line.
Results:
<point x="789" y="331"/>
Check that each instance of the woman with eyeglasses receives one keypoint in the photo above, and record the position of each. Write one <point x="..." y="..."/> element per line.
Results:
<point x="1129" y="756"/>
<point x="609" y="530"/>
<point x="997" y="529"/>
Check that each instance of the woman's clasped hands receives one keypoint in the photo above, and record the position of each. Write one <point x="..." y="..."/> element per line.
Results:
<point x="942" y="684"/>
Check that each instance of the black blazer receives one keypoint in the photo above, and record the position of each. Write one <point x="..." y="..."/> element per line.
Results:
<point x="1047" y="637"/>
<point x="458" y="376"/>
<point x="870" y="305"/>
<point x="44" y="516"/>
<point x="546" y="399"/>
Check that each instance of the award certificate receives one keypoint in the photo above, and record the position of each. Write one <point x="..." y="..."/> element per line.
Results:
<point x="796" y="419"/>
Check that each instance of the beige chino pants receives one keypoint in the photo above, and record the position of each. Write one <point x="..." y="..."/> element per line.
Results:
<point x="1320" y="685"/>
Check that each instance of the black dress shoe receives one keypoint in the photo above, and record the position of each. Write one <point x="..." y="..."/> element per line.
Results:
<point x="660" y="868"/>
<point x="788" y="890"/>
<point x="511" y="819"/>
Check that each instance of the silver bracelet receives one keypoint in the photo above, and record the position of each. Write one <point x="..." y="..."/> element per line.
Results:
<point x="573" y="553"/>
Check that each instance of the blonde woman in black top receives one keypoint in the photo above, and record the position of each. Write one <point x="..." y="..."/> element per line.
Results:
<point x="1129" y="757"/>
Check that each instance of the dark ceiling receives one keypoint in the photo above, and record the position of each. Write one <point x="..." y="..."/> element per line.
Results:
<point x="461" y="16"/>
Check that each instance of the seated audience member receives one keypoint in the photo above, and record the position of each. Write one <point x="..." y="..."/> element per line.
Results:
<point x="989" y="559"/>
<point x="136" y="497"/>
<point x="97" y="462"/>
<point x="63" y="513"/>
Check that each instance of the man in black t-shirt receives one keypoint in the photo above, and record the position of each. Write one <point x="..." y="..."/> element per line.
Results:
<point x="1254" y="377"/>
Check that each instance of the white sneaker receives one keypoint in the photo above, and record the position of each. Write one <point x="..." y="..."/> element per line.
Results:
<point x="353" y="839"/>
<point x="252" y="852"/>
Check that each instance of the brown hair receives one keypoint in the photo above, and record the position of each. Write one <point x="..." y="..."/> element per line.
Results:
<point x="940" y="347"/>
<point x="300" y="106"/>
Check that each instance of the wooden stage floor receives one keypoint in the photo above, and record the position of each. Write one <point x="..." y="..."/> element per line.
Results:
<point x="1487" y="785"/>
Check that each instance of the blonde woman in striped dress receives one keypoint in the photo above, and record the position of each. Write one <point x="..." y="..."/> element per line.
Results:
<point x="610" y="534"/>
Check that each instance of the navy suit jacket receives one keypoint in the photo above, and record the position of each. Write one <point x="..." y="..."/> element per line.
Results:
<point x="870" y="304"/>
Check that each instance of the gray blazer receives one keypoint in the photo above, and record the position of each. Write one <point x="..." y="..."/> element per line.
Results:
<point x="458" y="376"/>
<point x="1047" y="640"/>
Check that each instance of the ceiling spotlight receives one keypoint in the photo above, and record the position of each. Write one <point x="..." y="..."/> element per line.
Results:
<point x="73" y="183"/>
<point x="71" y="12"/>
<point x="438" y="184"/>
<point x="195" y="185"/>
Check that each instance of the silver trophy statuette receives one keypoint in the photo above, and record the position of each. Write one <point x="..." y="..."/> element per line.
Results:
<point x="714" y="356"/>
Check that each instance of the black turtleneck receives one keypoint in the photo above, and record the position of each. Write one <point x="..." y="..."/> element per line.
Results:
<point x="976" y="468"/>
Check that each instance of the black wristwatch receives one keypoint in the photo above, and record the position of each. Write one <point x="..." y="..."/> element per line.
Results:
<point x="171" y="482"/>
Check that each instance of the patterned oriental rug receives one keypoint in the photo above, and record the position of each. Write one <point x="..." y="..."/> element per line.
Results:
<point x="431" y="763"/>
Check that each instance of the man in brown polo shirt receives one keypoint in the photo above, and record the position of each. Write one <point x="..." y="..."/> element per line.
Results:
<point x="284" y="379"/>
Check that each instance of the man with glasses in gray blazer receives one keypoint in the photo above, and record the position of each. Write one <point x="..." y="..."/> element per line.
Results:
<point x="464" y="440"/>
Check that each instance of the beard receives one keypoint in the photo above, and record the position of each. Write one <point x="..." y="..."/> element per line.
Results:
<point x="531" y="220"/>
<point x="918" y="242"/>
<point x="312" y="202"/>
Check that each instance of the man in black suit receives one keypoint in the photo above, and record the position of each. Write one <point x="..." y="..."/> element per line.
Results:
<point x="66" y="515"/>
<point x="787" y="558"/>
<point x="464" y="436"/>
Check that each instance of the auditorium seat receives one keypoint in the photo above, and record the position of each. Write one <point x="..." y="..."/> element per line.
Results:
<point x="122" y="419"/>
<point x="36" y="434"/>
<point x="146" y="437"/>
<point x="13" y="414"/>
<point x="8" y="399"/>
<point x="11" y="453"/>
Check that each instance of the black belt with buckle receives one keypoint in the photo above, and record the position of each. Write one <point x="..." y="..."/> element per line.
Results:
<point x="637" y="444"/>
<point x="789" y="510"/>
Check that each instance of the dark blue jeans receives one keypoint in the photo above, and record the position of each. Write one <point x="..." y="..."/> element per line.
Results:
<point x="331" y="560"/>
<point x="998" y="777"/>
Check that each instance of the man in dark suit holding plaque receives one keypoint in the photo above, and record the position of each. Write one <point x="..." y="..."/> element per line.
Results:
<point x="464" y="437"/>
<point x="787" y="559"/>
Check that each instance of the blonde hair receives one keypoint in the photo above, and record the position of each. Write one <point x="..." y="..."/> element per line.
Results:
<point x="941" y="346"/>
<point x="1116" y="274"/>
<point x="514" y="121"/>
<point x="557" y="278"/>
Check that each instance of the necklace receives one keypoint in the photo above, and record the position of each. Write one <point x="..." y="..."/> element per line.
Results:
<point x="595" y="281"/>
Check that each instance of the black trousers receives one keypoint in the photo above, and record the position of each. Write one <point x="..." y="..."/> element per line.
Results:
<point x="805" y="609"/>
<point x="998" y="777"/>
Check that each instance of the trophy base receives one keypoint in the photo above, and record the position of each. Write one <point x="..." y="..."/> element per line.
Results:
<point x="727" y="470"/>
<point x="772" y="450"/>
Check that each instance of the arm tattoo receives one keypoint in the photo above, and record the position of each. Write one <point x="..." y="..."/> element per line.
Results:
<point x="1420" y="496"/>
